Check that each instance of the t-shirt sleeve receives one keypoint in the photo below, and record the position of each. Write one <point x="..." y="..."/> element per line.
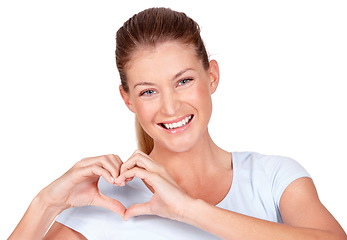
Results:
<point x="283" y="172"/>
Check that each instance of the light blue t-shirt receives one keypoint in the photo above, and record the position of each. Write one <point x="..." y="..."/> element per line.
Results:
<point x="257" y="186"/>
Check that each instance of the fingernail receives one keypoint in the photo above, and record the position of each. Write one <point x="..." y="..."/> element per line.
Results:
<point x="123" y="216"/>
<point x="119" y="179"/>
<point x="116" y="181"/>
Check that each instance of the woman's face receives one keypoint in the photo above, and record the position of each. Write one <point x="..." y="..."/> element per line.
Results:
<point x="170" y="92"/>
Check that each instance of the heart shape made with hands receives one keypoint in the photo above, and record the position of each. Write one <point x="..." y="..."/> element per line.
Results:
<point x="167" y="194"/>
<point x="167" y="197"/>
<point x="112" y="204"/>
<point x="135" y="209"/>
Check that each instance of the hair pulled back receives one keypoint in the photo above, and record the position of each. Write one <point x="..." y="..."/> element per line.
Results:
<point x="148" y="29"/>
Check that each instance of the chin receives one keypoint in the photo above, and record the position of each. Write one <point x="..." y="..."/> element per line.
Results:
<point x="178" y="145"/>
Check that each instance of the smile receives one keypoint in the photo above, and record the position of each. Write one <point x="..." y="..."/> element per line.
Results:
<point x="178" y="124"/>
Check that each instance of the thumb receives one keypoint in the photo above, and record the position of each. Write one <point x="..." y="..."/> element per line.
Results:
<point x="137" y="210"/>
<point x="109" y="203"/>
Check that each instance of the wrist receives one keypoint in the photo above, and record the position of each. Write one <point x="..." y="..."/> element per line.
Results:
<point x="41" y="204"/>
<point x="192" y="211"/>
<point x="47" y="204"/>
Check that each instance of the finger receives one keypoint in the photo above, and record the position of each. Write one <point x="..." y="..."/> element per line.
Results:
<point x="141" y="160"/>
<point x="110" y="162"/>
<point x="94" y="170"/>
<point x="131" y="162"/>
<point x="137" y="210"/>
<point x="110" y="203"/>
<point x="114" y="164"/>
<point x="149" y="177"/>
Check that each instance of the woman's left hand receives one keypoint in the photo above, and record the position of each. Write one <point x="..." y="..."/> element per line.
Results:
<point x="168" y="200"/>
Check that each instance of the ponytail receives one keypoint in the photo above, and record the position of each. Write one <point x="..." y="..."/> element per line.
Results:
<point x="144" y="142"/>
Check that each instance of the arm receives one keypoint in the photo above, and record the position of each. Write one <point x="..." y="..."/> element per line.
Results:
<point x="35" y="221"/>
<point x="77" y="187"/>
<point x="38" y="219"/>
<point x="303" y="214"/>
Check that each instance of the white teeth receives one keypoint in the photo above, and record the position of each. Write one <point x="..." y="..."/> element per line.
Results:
<point x="178" y="124"/>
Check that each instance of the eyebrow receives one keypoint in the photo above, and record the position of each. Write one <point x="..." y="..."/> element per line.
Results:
<point x="143" y="83"/>
<point x="152" y="84"/>
<point x="181" y="72"/>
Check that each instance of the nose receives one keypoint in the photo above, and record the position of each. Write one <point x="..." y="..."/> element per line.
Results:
<point x="170" y="104"/>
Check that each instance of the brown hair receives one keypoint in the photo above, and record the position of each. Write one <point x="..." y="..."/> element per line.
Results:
<point x="147" y="29"/>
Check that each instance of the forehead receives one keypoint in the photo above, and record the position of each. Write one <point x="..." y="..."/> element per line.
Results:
<point x="163" y="60"/>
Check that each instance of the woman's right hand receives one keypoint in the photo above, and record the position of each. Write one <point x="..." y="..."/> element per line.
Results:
<point x="79" y="185"/>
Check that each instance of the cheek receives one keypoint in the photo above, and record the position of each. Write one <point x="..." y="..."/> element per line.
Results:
<point x="202" y="97"/>
<point x="144" y="112"/>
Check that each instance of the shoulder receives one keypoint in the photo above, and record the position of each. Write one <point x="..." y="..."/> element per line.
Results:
<point x="270" y="164"/>
<point x="300" y="206"/>
<point x="258" y="183"/>
<point x="278" y="171"/>
<point x="264" y="161"/>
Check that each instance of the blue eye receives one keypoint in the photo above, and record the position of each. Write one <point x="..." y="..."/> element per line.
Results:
<point x="184" y="81"/>
<point x="148" y="92"/>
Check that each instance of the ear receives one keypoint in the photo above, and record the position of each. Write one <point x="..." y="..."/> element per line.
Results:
<point x="126" y="99"/>
<point x="214" y="75"/>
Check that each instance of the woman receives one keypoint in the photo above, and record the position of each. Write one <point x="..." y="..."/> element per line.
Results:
<point x="180" y="184"/>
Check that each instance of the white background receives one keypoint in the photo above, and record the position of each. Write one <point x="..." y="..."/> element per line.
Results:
<point x="283" y="71"/>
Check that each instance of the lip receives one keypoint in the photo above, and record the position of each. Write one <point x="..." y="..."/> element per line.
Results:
<point x="180" y="129"/>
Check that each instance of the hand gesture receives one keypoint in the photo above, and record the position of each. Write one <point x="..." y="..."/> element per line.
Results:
<point x="168" y="200"/>
<point x="79" y="185"/>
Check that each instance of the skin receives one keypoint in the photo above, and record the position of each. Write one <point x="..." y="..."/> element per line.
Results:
<point x="168" y="99"/>
<point x="168" y="83"/>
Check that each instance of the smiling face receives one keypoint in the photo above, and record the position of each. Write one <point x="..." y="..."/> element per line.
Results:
<point x="170" y="92"/>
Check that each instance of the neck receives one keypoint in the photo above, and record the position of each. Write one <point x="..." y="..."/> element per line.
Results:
<point x="203" y="158"/>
